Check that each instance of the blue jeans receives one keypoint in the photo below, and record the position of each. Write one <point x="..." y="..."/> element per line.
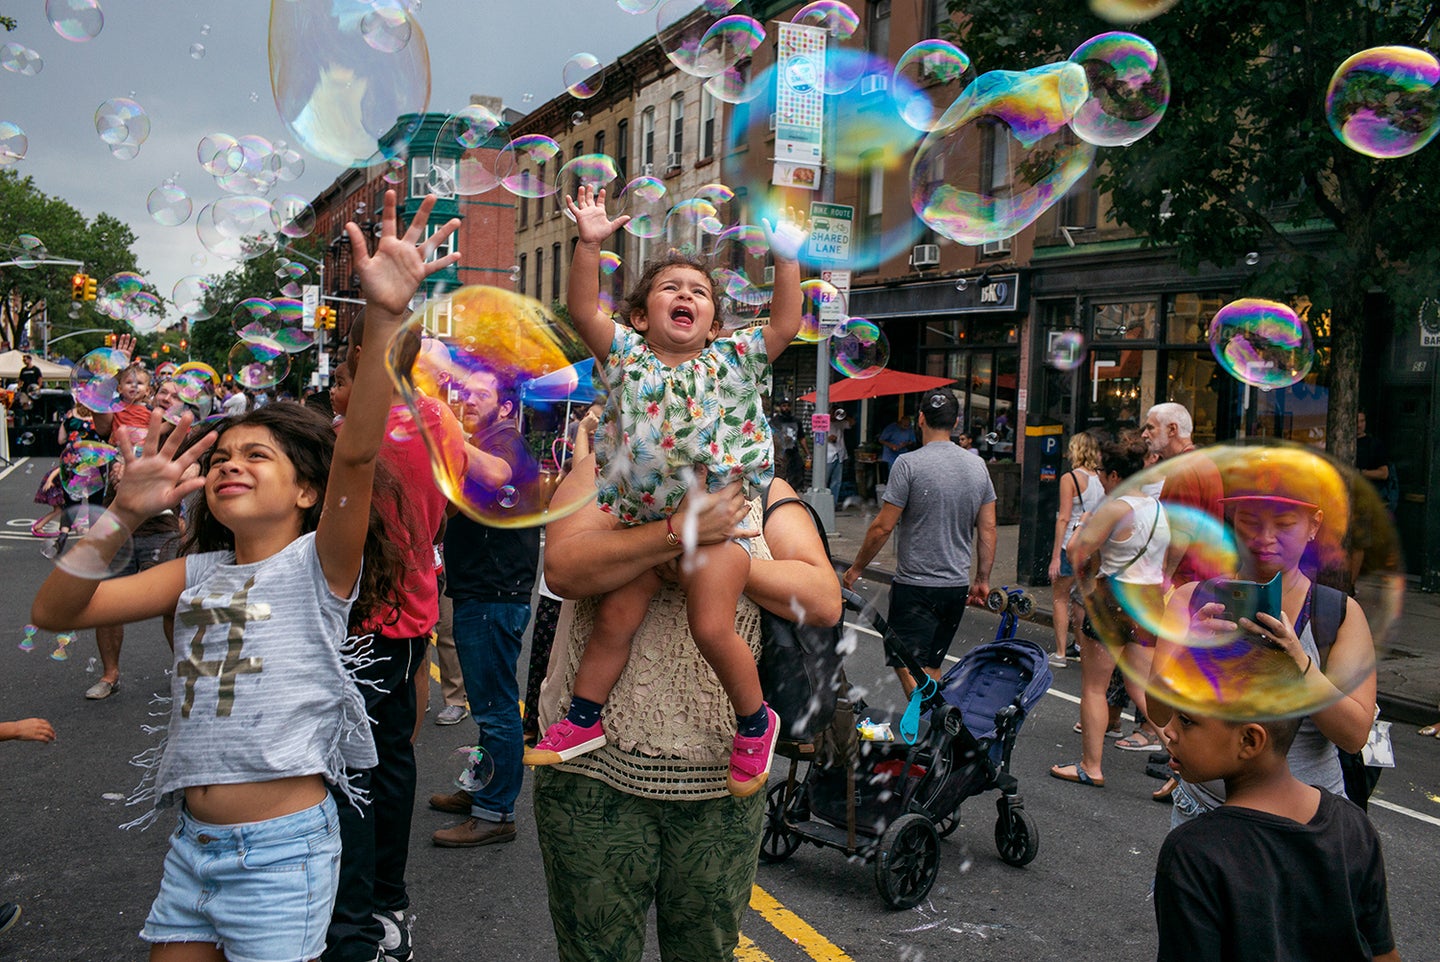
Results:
<point x="835" y="473"/>
<point x="487" y="639"/>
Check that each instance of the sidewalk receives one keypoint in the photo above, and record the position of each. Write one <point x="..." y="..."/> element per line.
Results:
<point x="1409" y="669"/>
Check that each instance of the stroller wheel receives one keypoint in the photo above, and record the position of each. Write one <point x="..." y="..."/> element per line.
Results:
<point x="947" y="825"/>
<point x="1025" y="604"/>
<point x="997" y="600"/>
<point x="777" y="843"/>
<point x="907" y="861"/>
<point x="1016" y="837"/>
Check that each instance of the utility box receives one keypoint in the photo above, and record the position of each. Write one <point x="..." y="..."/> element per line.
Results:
<point x="1039" y="500"/>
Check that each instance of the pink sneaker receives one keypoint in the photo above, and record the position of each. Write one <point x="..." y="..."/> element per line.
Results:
<point x="563" y="741"/>
<point x="750" y="758"/>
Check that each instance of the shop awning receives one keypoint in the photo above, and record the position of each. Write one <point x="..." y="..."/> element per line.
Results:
<point x="884" y="384"/>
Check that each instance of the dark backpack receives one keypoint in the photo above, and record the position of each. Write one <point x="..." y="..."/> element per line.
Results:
<point x="800" y="665"/>
<point x="1327" y="613"/>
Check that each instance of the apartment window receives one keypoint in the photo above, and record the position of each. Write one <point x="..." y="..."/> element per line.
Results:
<point x="647" y="140"/>
<point x="677" y="126"/>
<point x="622" y="149"/>
<point x="524" y="189"/>
<point x="540" y="201"/>
<point x="426" y="172"/>
<point x="558" y="198"/>
<point x="600" y="142"/>
<point x="539" y="270"/>
<point x="443" y="249"/>
<point x="555" y="272"/>
<point x="707" y="124"/>
<point x="1078" y="207"/>
<point x="872" y="203"/>
<point x="575" y="177"/>
<point x="878" y="37"/>
<point x="994" y="156"/>
<point x="937" y="15"/>
<point x="524" y="264"/>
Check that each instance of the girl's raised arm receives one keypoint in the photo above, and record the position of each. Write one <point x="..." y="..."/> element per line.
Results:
<point x="152" y="482"/>
<point x="389" y="278"/>
<point x="582" y="294"/>
<point x="786" y="236"/>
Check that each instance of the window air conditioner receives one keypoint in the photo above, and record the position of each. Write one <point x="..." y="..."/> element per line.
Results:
<point x="672" y="160"/>
<point x="925" y="255"/>
<point x="648" y="170"/>
<point x="772" y="121"/>
<point x="875" y="83"/>
<point x="991" y="248"/>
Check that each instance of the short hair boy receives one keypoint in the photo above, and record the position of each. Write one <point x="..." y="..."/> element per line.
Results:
<point x="1281" y="871"/>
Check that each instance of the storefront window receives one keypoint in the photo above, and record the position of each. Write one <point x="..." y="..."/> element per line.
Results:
<point x="1194" y="380"/>
<point x="1126" y="321"/>
<point x="1189" y="316"/>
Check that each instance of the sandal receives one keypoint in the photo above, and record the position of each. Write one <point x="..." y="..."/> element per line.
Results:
<point x="1080" y="777"/>
<point x="1138" y="741"/>
<point x="1109" y="732"/>
<point x="1163" y="793"/>
<point x="1431" y="731"/>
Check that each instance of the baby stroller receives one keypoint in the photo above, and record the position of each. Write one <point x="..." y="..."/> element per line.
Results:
<point x="890" y="803"/>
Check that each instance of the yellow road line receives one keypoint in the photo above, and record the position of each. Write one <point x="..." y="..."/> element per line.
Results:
<point x="748" y="951"/>
<point x="794" y="928"/>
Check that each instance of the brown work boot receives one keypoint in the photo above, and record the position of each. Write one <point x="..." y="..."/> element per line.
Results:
<point x="456" y="802"/>
<point x="474" y="832"/>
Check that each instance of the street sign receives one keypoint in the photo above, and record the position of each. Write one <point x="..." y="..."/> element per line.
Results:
<point x="835" y="311"/>
<point x="830" y="232"/>
<point x="309" y="300"/>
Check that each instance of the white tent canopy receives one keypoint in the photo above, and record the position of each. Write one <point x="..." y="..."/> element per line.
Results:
<point x="11" y="363"/>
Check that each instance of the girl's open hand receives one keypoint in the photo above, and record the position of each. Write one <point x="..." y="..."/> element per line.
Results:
<point x="588" y="209"/>
<point x="787" y="235"/>
<point x="156" y="480"/>
<point x="125" y="344"/>
<point x="392" y="275"/>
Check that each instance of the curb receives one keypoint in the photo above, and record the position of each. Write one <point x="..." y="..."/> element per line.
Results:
<point x="1399" y="708"/>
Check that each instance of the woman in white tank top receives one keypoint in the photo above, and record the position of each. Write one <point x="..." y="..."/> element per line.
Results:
<point x="1123" y="541"/>
<point x="1080" y="495"/>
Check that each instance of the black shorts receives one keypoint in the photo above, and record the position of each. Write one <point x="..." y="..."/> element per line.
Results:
<point x="925" y="620"/>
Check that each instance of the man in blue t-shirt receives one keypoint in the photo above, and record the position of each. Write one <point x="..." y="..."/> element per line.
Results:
<point x="895" y="439"/>
<point x="940" y="497"/>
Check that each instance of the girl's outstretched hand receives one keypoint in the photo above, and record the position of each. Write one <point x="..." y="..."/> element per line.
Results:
<point x="787" y="235"/>
<point x="155" y="480"/>
<point x="392" y="275"/>
<point x="588" y="209"/>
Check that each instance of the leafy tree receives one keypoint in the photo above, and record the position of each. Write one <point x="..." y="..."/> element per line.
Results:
<point x="43" y="291"/>
<point x="1245" y="158"/>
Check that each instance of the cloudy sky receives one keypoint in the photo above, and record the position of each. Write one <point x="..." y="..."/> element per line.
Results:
<point x="505" y="48"/>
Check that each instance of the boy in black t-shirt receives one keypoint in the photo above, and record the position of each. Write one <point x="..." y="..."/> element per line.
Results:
<point x="1281" y="871"/>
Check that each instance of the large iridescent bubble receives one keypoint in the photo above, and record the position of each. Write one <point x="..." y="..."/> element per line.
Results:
<point x="1002" y="155"/>
<point x="339" y="93"/>
<point x="1129" y="11"/>
<point x="1385" y="102"/>
<point x="469" y="130"/>
<point x="1261" y="343"/>
<point x="1129" y="89"/>
<point x="500" y="343"/>
<point x="1288" y="516"/>
<point x="95" y="379"/>
<point x="920" y="83"/>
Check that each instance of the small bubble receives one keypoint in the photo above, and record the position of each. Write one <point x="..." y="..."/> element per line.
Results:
<point x="205" y="30"/>
<point x="90" y="666"/>
<point x="527" y="98"/>
<point x="962" y="283"/>
<point x="1252" y="258"/>
<point x="197" y="51"/>
<point x="343" y="502"/>
<point x="254" y="97"/>
<point x="506" y="496"/>
<point x="577" y="118"/>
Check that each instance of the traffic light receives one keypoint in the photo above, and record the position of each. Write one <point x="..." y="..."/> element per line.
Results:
<point x="89" y="288"/>
<point x="77" y="287"/>
<point x="324" y="318"/>
<point x="109" y="340"/>
<point x="184" y="344"/>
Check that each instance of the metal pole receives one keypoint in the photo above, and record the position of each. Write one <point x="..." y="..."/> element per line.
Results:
<point x="819" y="495"/>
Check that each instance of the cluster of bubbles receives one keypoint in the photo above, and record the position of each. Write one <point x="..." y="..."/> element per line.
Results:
<point x="27" y="251"/>
<point x="169" y="204"/>
<point x="1285" y="509"/>
<point x="84" y="468"/>
<point x="503" y="341"/>
<point x="1385" y="102"/>
<point x="123" y="126"/>
<point x="270" y="330"/>
<point x="123" y="296"/>
<point x="18" y="58"/>
<point x="1261" y="343"/>
<point x="78" y="21"/>
<point x="342" y="71"/>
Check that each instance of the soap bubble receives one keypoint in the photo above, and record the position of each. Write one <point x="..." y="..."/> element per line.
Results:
<point x="201" y="367"/>
<point x="84" y="468"/>
<point x="1129" y="11"/>
<point x="258" y="362"/>
<point x="636" y="7"/>
<point x="30" y="252"/>
<point x="237" y="227"/>
<point x="499" y="340"/>
<point x="1066" y="350"/>
<point x="920" y="83"/>
<point x="1252" y="258"/>
<point x="739" y="258"/>
<point x="1261" y="343"/>
<point x="526" y="166"/>
<point x="844" y="64"/>
<point x="838" y="19"/>
<point x="194" y="393"/>
<point x="647" y="202"/>
<point x="337" y="93"/>
<point x="13" y="143"/>
<point x="295" y="215"/>
<point x="1286" y="509"/>
<point x="1385" y="102"/>
<point x="294" y="339"/>
<point x="1028" y="113"/>
<point x="680" y="29"/>
<point x="689" y="221"/>
<point x="18" y="58"/>
<point x="595" y="171"/>
<point x="122" y="124"/>
<point x="95" y="379"/>
<point x="823" y="308"/>
<point x="255" y="317"/>
<point x="583" y="76"/>
<point x="1129" y="89"/>
<point x="75" y="20"/>
<point x="286" y="164"/>
<point x="169" y="205"/>
<point x="197" y="51"/>
<point x="469" y="128"/>
<point x="734" y="39"/>
<point x="219" y="154"/>
<point x="386" y="29"/>
<point x="123" y="297"/>
<point x="478" y="771"/>
<point x="189" y="296"/>
<point x="97" y="546"/>
<point x="859" y="349"/>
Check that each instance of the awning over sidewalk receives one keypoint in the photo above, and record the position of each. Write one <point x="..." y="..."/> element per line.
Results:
<point x="884" y="384"/>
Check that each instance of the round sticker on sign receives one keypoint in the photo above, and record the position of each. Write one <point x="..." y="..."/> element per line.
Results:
<point x="801" y="74"/>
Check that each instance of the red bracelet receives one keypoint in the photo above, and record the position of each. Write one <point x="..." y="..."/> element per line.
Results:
<point x="670" y="537"/>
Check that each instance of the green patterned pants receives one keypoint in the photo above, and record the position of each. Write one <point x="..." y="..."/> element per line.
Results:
<point x="609" y="855"/>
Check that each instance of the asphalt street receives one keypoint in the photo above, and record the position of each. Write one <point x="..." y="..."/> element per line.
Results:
<point x="85" y="884"/>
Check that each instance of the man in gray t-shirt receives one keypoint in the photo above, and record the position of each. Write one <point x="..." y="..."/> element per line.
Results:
<point x="939" y="496"/>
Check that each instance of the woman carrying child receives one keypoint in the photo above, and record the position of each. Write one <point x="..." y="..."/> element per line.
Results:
<point x="264" y="710"/>
<point x="685" y="411"/>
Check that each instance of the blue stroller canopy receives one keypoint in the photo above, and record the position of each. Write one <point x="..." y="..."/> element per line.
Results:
<point x="989" y="677"/>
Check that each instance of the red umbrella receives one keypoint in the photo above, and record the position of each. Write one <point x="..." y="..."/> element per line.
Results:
<point x="885" y="383"/>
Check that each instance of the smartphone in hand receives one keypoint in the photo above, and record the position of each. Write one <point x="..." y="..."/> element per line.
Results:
<point x="1242" y="599"/>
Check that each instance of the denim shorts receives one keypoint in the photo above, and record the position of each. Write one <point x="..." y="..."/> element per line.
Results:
<point x="1065" y="570"/>
<point x="263" y="891"/>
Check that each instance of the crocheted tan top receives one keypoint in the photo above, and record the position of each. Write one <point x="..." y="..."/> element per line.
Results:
<point x="670" y="724"/>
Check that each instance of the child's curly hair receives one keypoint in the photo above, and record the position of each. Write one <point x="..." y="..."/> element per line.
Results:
<point x="308" y="440"/>
<point x="674" y="257"/>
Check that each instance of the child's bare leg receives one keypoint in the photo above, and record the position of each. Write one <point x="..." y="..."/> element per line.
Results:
<point x="713" y="582"/>
<point x="617" y="618"/>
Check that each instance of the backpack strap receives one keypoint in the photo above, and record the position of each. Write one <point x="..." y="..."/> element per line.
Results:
<point x="769" y="508"/>
<point x="1327" y="613"/>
